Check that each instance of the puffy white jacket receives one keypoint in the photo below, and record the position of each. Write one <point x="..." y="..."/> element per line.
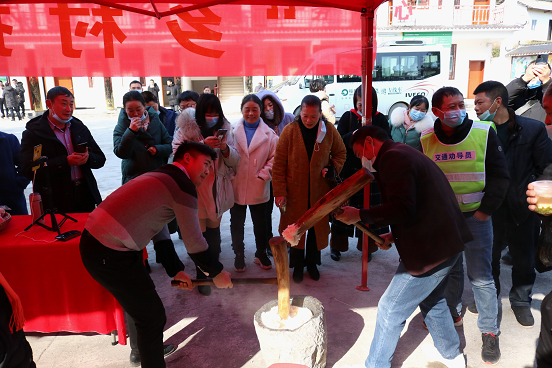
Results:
<point x="224" y="167"/>
<point x="252" y="180"/>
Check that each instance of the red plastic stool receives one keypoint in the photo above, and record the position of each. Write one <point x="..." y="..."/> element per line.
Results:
<point x="287" y="365"/>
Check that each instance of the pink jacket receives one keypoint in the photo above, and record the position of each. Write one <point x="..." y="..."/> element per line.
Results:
<point x="254" y="172"/>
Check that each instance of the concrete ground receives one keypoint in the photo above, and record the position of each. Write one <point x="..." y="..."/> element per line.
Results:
<point x="217" y="331"/>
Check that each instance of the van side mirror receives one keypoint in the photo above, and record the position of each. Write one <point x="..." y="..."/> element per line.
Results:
<point x="300" y="85"/>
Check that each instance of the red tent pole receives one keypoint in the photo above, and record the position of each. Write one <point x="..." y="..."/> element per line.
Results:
<point x="367" y="20"/>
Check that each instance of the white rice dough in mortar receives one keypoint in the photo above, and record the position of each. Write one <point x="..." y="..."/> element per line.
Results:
<point x="297" y="317"/>
<point x="290" y="234"/>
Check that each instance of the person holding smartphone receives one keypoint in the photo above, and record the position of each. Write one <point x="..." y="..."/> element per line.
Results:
<point x="526" y="92"/>
<point x="71" y="153"/>
<point x="208" y="125"/>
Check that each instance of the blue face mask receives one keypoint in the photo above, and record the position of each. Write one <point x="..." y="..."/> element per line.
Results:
<point x="454" y="118"/>
<point x="534" y="84"/>
<point x="487" y="116"/>
<point x="211" y="122"/>
<point x="416" y="115"/>
<point x="54" y="115"/>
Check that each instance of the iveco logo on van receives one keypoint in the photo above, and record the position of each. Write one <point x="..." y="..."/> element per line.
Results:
<point x="412" y="94"/>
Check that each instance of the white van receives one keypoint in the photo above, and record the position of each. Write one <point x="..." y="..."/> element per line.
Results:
<point x="402" y="71"/>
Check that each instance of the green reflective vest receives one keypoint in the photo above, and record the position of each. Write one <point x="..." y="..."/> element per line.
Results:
<point x="463" y="163"/>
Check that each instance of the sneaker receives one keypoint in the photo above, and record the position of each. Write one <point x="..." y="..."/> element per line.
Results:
<point x="239" y="262"/>
<point x="456" y="320"/>
<point x="523" y="316"/>
<point x="313" y="272"/>
<point x="472" y="308"/>
<point x="262" y="260"/>
<point x="335" y="255"/>
<point x="135" y="360"/>
<point x="490" y="351"/>
<point x="298" y="275"/>
<point x="433" y="355"/>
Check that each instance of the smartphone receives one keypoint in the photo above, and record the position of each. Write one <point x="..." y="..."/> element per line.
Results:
<point x="221" y="133"/>
<point x="68" y="235"/>
<point x="81" y="147"/>
<point x="542" y="59"/>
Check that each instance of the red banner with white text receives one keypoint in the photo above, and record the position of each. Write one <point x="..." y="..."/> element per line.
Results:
<point x="75" y="40"/>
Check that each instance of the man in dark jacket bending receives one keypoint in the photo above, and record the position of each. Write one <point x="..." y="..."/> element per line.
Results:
<point x="429" y="231"/>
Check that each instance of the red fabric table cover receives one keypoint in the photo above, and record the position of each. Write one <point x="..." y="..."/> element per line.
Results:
<point x="56" y="291"/>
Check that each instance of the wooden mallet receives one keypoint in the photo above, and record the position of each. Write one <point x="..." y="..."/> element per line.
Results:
<point x="325" y="205"/>
<point x="279" y="253"/>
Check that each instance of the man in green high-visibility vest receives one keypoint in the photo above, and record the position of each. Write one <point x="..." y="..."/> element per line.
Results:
<point x="470" y="155"/>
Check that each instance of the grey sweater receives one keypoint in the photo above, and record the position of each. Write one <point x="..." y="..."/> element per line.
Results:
<point x="129" y="217"/>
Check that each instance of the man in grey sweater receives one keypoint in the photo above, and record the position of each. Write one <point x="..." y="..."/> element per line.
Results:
<point x="123" y="224"/>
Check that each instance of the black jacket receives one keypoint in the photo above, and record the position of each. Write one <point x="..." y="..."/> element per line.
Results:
<point x="12" y="182"/>
<point x="496" y="169"/>
<point x="39" y="132"/>
<point x="154" y="90"/>
<point x="20" y="92"/>
<point x="168" y="118"/>
<point x="519" y="95"/>
<point x="419" y="204"/>
<point x="528" y="153"/>
<point x="173" y="92"/>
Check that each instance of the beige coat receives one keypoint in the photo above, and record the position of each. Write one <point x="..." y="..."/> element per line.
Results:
<point x="254" y="173"/>
<point x="221" y="172"/>
<point x="292" y="174"/>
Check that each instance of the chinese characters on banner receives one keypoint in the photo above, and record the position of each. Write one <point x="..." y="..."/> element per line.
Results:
<point x="224" y="40"/>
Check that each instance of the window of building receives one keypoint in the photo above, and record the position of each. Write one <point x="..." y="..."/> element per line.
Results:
<point x="533" y="24"/>
<point x="452" y="67"/>
<point x="406" y="66"/>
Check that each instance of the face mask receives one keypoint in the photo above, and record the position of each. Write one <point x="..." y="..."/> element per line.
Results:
<point x="368" y="164"/>
<point x="487" y="116"/>
<point x="454" y="118"/>
<point x="269" y="114"/>
<point x="60" y="119"/>
<point x="211" y="122"/>
<point x="534" y="84"/>
<point x="416" y="115"/>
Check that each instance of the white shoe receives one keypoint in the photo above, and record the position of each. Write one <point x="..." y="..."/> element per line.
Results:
<point x="433" y="354"/>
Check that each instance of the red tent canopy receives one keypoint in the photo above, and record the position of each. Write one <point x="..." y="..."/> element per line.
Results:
<point x="97" y="38"/>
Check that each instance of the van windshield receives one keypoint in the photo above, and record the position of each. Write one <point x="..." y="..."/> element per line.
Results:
<point x="406" y="66"/>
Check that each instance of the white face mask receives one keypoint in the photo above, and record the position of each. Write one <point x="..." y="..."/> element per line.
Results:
<point x="368" y="164"/>
<point x="54" y="115"/>
<point x="269" y="114"/>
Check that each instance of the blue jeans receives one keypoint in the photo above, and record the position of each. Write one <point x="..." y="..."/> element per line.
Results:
<point x="478" y="255"/>
<point x="403" y="295"/>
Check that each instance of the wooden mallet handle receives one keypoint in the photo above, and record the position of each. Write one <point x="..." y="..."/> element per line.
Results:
<point x="365" y="229"/>
<point x="279" y="253"/>
<point x="243" y="281"/>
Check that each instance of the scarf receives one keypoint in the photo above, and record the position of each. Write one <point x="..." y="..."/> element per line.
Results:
<point x="408" y="124"/>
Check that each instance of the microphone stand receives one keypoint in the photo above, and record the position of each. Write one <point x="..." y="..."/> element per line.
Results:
<point x="49" y="208"/>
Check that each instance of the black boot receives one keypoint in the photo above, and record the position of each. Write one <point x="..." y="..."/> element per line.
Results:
<point x="204" y="289"/>
<point x="212" y="236"/>
<point x="239" y="261"/>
